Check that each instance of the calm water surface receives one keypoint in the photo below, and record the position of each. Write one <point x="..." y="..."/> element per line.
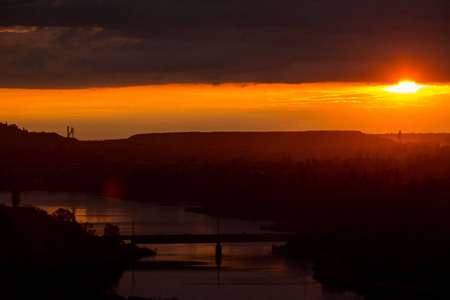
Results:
<point x="151" y="218"/>
<point x="247" y="270"/>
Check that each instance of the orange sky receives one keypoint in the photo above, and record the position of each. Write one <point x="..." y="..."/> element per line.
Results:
<point x="106" y="113"/>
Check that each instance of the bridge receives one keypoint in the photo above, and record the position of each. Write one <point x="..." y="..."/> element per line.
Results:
<point x="209" y="238"/>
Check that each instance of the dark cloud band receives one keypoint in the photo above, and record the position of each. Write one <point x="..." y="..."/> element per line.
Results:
<point x="81" y="43"/>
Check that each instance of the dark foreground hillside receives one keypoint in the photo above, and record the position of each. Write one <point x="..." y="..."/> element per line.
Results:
<point x="46" y="256"/>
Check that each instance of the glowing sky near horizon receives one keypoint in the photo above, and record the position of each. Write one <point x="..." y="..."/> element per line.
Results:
<point x="112" y="69"/>
<point x="105" y="113"/>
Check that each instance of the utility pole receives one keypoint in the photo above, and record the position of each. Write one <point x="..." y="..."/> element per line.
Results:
<point x="218" y="245"/>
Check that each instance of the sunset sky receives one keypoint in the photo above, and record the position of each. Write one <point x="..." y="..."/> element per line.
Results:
<point x="113" y="68"/>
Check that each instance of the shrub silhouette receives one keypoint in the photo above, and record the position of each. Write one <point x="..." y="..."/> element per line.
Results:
<point x="111" y="230"/>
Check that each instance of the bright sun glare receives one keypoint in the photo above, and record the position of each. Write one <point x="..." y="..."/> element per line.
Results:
<point x="404" y="87"/>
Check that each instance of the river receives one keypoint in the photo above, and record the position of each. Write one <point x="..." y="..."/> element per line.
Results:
<point x="247" y="270"/>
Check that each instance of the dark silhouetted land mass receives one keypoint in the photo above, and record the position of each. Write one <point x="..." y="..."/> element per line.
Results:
<point x="45" y="256"/>
<point x="368" y="202"/>
<point x="11" y="137"/>
<point x="383" y="265"/>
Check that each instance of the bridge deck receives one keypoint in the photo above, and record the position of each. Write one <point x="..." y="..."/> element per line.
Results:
<point x="209" y="238"/>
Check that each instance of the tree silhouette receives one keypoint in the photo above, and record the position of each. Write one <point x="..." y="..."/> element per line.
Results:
<point x="111" y="230"/>
<point x="62" y="214"/>
<point x="89" y="228"/>
<point x="15" y="198"/>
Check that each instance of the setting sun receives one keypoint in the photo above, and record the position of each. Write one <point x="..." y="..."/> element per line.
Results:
<point x="404" y="87"/>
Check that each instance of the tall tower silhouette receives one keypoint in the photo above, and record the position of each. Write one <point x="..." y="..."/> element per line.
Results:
<point x="71" y="132"/>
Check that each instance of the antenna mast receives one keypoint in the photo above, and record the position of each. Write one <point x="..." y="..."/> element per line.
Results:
<point x="71" y="132"/>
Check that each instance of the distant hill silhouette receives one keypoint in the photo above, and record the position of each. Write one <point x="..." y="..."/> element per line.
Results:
<point x="13" y="137"/>
<point x="223" y="145"/>
<point x="260" y="145"/>
<point x="173" y="147"/>
<point x="442" y="139"/>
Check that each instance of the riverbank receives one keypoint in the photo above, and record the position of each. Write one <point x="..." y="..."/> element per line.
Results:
<point x="387" y="265"/>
